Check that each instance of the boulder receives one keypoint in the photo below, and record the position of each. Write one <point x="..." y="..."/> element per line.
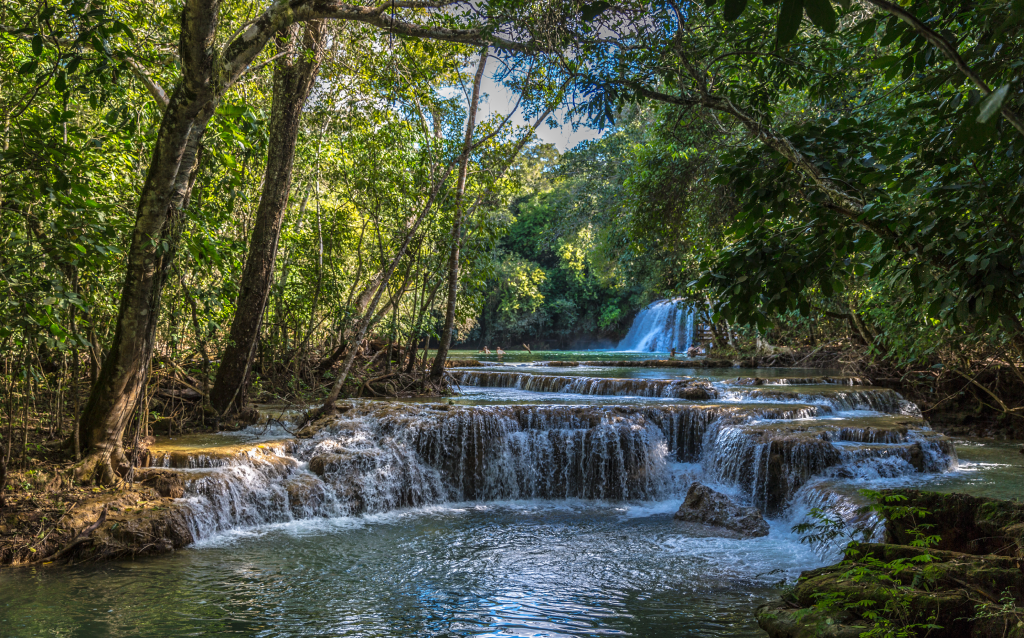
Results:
<point x="705" y="506"/>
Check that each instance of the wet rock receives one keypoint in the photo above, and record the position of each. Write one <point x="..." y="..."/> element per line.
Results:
<point x="708" y="507"/>
<point x="690" y="389"/>
<point x="329" y="463"/>
<point x="208" y="451"/>
<point x="168" y="486"/>
<point x="748" y="381"/>
<point x="248" y="415"/>
<point x="782" y="621"/>
<point x="971" y="585"/>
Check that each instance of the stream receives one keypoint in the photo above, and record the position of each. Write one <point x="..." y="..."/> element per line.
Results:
<point x="537" y="502"/>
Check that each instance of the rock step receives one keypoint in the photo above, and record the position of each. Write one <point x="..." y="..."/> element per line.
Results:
<point x="881" y="400"/>
<point x="379" y="456"/>
<point x="688" y="388"/>
<point x="825" y="380"/>
<point x="211" y="451"/>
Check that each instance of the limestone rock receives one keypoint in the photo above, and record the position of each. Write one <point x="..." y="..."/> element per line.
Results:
<point x="169" y="486"/>
<point x="708" y="507"/>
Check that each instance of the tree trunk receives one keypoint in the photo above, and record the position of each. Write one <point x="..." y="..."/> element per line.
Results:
<point x="294" y="75"/>
<point x="453" y="257"/>
<point x="364" y="323"/>
<point x="122" y="376"/>
<point x="418" y="330"/>
<point x="172" y="173"/>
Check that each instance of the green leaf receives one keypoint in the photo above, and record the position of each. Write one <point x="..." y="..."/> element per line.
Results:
<point x="821" y="14"/>
<point x="884" y="62"/>
<point x="37" y="45"/>
<point x="734" y="9"/>
<point x="594" y="9"/>
<point x="61" y="82"/>
<point x="891" y="33"/>
<point x="992" y="103"/>
<point x="867" y="30"/>
<point x="29" y="67"/>
<point x="973" y="134"/>
<point x="789" y="20"/>
<point x="47" y="13"/>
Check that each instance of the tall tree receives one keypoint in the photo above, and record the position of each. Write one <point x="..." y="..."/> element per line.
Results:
<point x="208" y="72"/>
<point x="295" y="73"/>
<point x="460" y="191"/>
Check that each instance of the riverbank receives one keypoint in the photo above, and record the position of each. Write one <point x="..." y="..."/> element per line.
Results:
<point x="951" y="566"/>
<point x="77" y="524"/>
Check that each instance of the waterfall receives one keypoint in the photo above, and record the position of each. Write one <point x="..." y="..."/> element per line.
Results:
<point x="383" y="456"/>
<point x="660" y="327"/>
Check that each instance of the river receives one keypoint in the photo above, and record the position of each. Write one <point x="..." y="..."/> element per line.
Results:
<point x="514" y="511"/>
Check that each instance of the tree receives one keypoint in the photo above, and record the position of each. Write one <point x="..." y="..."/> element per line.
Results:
<point x="294" y="75"/>
<point x="456" y="240"/>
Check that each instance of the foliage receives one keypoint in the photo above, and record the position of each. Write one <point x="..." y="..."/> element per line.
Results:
<point x="893" y="615"/>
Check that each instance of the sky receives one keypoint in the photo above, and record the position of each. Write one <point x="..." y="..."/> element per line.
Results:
<point x="500" y="100"/>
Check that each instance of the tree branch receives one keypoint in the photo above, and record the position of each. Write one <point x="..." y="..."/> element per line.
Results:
<point x="950" y="51"/>
<point x="242" y="49"/>
<point x="151" y="85"/>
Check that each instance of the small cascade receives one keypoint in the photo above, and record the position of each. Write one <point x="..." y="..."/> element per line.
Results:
<point x="753" y="381"/>
<point x="662" y="326"/>
<point x="881" y="400"/>
<point x="772" y="460"/>
<point x="692" y="389"/>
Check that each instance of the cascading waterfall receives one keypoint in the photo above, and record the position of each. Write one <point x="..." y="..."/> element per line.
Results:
<point x="381" y="457"/>
<point x="662" y="326"/>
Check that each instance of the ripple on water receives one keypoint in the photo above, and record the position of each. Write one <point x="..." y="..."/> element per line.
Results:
<point x="522" y="568"/>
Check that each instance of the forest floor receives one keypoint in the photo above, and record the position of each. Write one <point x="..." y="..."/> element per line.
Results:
<point x="47" y="517"/>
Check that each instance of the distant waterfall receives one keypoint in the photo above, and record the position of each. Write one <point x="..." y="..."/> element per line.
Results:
<point x="660" y="327"/>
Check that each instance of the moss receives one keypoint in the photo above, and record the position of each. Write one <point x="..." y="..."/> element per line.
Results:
<point x="974" y="593"/>
<point x="781" y="621"/>
<point x="969" y="524"/>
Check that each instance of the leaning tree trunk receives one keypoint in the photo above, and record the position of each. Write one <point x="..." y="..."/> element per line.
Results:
<point x="123" y="375"/>
<point x="294" y="75"/>
<point x="437" y="370"/>
<point x="165" y="193"/>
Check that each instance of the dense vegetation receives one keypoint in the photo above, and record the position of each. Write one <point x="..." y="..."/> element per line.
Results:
<point x="217" y="201"/>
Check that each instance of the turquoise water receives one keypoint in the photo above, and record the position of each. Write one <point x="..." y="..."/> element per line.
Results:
<point x="519" y="356"/>
<point x="522" y="569"/>
<point x="532" y="568"/>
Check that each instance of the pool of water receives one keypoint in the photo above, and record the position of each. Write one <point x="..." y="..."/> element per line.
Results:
<point x="713" y="374"/>
<point x="522" y="356"/>
<point x="497" y="569"/>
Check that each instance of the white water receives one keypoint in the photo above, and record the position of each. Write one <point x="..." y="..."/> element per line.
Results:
<point x="382" y="457"/>
<point x="662" y="326"/>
